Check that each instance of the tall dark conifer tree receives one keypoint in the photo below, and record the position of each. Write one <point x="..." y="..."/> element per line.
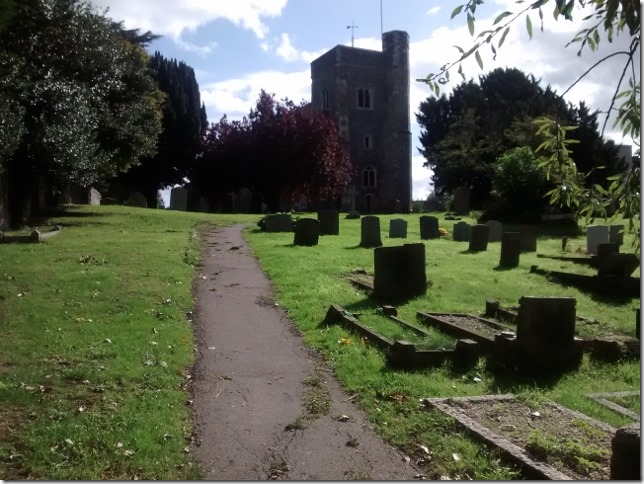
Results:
<point x="184" y="122"/>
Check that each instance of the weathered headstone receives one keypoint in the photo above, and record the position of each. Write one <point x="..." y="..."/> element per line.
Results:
<point x="307" y="232"/>
<point x="510" y="249"/>
<point x="528" y="238"/>
<point x="398" y="228"/>
<point x="546" y="334"/>
<point x="466" y="354"/>
<point x="620" y="265"/>
<point x="607" y="248"/>
<point x="479" y="238"/>
<point x="179" y="199"/>
<point x="595" y="235"/>
<point x="428" y="227"/>
<point x="399" y="272"/>
<point x="462" y="232"/>
<point x="626" y="459"/>
<point x="370" y="231"/>
<point x="461" y="204"/>
<point x="278" y="222"/>
<point x="329" y="222"/>
<point x="94" y="196"/>
<point x="496" y="230"/>
<point x="136" y="200"/>
<point x="616" y="234"/>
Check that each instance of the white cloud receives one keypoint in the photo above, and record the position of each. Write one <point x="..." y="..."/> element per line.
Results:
<point x="433" y="10"/>
<point x="544" y="56"/>
<point x="235" y="97"/>
<point x="202" y="50"/>
<point x="178" y="17"/>
<point x="287" y="52"/>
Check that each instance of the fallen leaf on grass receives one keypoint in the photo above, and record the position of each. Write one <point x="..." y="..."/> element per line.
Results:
<point x="128" y="453"/>
<point x="456" y="457"/>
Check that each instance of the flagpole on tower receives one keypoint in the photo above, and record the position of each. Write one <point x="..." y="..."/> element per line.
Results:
<point x="381" y="18"/>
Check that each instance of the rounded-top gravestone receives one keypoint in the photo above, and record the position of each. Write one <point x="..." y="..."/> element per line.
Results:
<point x="479" y="238"/>
<point x="462" y="232"/>
<point x="428" y="227"/>
<point x="398" y="228"/>
<point x="370" y="231"/>
<point x="307" y="232"/>
<point x="329" y="222"/>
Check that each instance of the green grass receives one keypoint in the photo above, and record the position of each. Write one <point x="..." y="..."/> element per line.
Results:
<point x="309" y="279"/>
<point x="97" y="342"/>
<point x="96" y="346"/>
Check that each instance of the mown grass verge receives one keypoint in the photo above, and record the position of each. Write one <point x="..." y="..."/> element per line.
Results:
<point x="309" y="279"/>
<point x="97" y="345"/>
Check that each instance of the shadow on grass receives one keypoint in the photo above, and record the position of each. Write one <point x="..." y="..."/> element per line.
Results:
<point x="504" y="268"/>
<point x="468" y="251"/>
<point x="353" y="247"/>
<point x="513" y="382"/>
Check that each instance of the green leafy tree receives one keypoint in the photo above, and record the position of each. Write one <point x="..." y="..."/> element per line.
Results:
<point x="184" y="123"/>
<point x="520" y="182"/>
<point x="609" y="19"/>
<point x="464" y="134"/>
<point x="85" y="106"/>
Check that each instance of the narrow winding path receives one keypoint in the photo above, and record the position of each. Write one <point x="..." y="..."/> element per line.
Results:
<point x="249" y="385"/>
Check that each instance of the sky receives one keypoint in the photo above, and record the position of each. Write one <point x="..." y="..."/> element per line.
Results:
<point x="238" y="47"/>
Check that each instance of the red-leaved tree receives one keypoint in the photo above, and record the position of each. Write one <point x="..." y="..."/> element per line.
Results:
<point x="281" y="151"/>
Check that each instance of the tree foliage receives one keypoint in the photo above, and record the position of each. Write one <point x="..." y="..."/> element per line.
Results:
<point x="280" y="151"/>
<point x="609" y="19"/>
<point x="79" y="100"/>
<point x="464" y="134"/>
<point x="183" y="126"/>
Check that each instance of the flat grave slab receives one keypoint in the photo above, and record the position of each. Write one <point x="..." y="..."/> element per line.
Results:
<point x="481" y="330"/>
<point x="547" y="440"/>
<point x="611" y="400"/>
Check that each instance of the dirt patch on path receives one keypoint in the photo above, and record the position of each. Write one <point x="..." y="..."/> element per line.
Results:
<point x="265" y="406"/>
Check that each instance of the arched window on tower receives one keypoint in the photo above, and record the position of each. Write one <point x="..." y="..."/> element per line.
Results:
<point x="369" y="178"/>
<point x="364" y="98"/>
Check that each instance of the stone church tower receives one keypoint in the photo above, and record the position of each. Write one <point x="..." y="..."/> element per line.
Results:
<point x="368" y="93"/>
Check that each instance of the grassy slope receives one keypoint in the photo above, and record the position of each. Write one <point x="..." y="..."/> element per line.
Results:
<point x="308" y="280"/>
<point x="96" y="345"/>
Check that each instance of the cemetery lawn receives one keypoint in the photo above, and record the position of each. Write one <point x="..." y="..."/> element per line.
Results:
<point x="309" y="279"/>
<point x="97" y="342"/>
<point x="97" y="346"/>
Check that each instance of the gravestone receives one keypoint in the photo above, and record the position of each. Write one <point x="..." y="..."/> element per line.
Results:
<point x="462" y="232"/>
<point x="428" y="227"/>
<point x="496" y="230"/>
<point x="626" y="459"/>
<point x="399" y="272"/>
<point x="461" y="203"/>
<point x="606" y="249"/>
<point x="510" y="249"/>
<point x="397" y="228"/>
<point x="278" y="222"/>
<point x="307" y="232"/>
<point x="616" y="234"/>
<point x="595" y="235"/>
<point x="620" y="265"/>
<point x="94" y="196"/>
<point x="179" y="199"/>
<point x="479" y="237"/>
<point x="546" y="334"/>
<point x="329" y="222"/>
<point x="528" y="238"/>
<point x="370" y="231"/>
<point x="136" y="200"/>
